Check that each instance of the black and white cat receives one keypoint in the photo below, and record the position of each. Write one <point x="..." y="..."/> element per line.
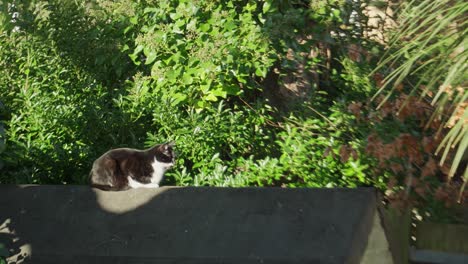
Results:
<point x="125" y="168"/>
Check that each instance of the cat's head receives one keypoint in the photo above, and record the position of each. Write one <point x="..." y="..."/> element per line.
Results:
<point x="165" y="154"/>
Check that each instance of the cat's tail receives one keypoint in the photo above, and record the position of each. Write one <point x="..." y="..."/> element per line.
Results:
<point x="93" y="184"/>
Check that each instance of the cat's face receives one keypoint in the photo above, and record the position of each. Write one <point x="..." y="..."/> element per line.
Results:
<point x="166" y="154"/>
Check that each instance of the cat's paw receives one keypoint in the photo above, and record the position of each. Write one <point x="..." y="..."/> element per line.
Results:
<point x="150" y="185"/>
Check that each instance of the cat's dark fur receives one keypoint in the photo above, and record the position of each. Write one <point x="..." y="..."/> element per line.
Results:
<point x="125" y="168"/>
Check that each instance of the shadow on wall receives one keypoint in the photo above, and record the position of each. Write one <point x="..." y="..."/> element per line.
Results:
<point x="73" y="221"/>
<point x="77" y="224"/>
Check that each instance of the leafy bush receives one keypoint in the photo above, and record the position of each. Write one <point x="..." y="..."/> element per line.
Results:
<point x="56" y="110"/>
<point x="209" y="142"/>
<point x="50" y="112"/>
<point x="424" y="66"/>
<point x="401" y="146"/>
<point x="78" y="78"/>
<point x="197" y="53"/>
<point x="429" y="56"/>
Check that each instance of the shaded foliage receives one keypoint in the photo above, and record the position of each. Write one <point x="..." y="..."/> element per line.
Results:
<point x="429" y="57"/>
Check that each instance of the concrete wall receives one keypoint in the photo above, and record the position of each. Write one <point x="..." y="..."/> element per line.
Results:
<point x="77" y="224"/>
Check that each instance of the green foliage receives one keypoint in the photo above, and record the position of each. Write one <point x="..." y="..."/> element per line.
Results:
<point x="209" y="142"/>
<point x="246" y="150"/>
<point x="197" y="53"/>
<point x="78" y="78"/>
<point x="56" y="107"/>
<point x="45" y="128"/>
<point x="310" y="155"/>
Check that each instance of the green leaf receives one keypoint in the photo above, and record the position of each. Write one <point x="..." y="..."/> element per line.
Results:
<point x="134" y="58"/>
<point x="150" y="9"/>
<point x="219" y="93"/>
<point x="138" y="49"/>
<point x="232" y="89"/>
<point x="134" y="20"/>
<point x="211" y="97"/>
<point x="260" y="72"/>
<point x="187" y="79"/>
<point x="336" y="12"/>
<point x="205" y="27"/>
<point x="174" y="16"/>
<point x="178" y="98"/>
<point x="266" y="7"/>
<point x="150" y="57"/>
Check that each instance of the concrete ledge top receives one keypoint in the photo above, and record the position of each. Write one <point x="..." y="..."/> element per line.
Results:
<point x="78" y="224"/>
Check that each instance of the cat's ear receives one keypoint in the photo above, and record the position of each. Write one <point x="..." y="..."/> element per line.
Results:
<point x="168" y="147"/>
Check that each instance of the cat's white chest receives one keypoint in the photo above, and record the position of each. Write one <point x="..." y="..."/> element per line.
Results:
<point x="158" y="171"/>
<point x="159" y="168"/>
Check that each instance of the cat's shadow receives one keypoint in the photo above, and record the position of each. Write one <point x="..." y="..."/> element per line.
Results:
<point x="49" y="220"/>
<point x="79" y="224"/>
